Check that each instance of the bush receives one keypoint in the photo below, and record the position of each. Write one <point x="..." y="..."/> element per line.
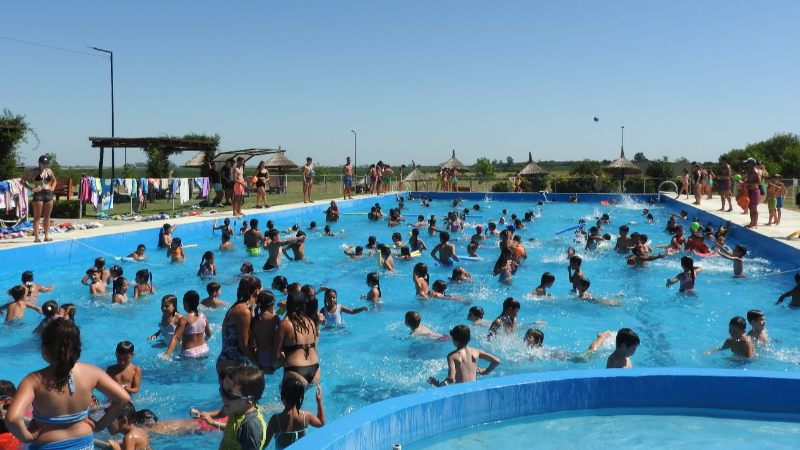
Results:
<point x="584" y="185"/>
<point x="534" y="184"/>
<point x="501" y="186"/>
<point x="66" y="209"/>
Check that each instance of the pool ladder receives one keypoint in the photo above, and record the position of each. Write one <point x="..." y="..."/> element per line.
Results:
<point x="662" y="184"/>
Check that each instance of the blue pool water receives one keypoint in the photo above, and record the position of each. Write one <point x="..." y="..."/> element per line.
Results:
<point x="635" y="430"/>
<point x="373" y="358"/>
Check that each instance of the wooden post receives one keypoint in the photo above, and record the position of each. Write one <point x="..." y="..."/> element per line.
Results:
<point x="100" y="168"/>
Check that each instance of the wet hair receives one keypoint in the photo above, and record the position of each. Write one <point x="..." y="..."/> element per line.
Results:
<point x="17" y="292"/>
<point x="264" y="302"/>
<point x="49" y="309"/>
<point x="116" y="270"/>
<point x="172" y="300"/>
<point x="439" y="286"/>
<point x="754" y="314"/>
<point x="327" y="229"/>
<point x="328" y="295"/>
<point x="250" y="381"/>
<point x="741" y="249"/>
<point x="308" y="290"/>
<point x="27" y="276"/>
<point x="191" y="301"/>
<point x="128" y="413"/>
<point x="738" y="322"/>
<point x="125" y="348"/>
<point x="248" y="267"/>
<point x="444" y="236"/>
<point x="385" y="251"/>
<point x="7" y="388"/>
<point x="247" y="287"/>
<point x="413" y="319"/>
<point x="61" y="342"/>
<point x="472" y="246"/>
<point x="145" y="418"/>
<point x="70" y="309"/>
<point x="461" y="334"/>
<point x="511" y="303"/>
<point x="624" y="228"/>
<point x="457" y="273"/>
<point x="145" y="275"/>
<point x="207" y="257"/>
<point x="687" y="264"/>
<point x="372" y="241"/>
<point x="584" y="283"/>
<point x="293" y="392"/>
<point x="117" y="286"/>
<point x="100" y="263"/>
<point x="295" y="312"/>
<point x="176" y="243"/>
<point x="575" y="259"/>
<point x="270" y="225"/>
<point x="536" y="334"/>
<point x="396" y="237"/>
<point x="253" y="223"/>
<point x="213" y="287"/>
<point x="548" y="278"/>
<point x="359" y="250"/>
<point x="421" y="270"/>
<point x="476" y="311"/>
<point x="374" y="280"/>
<point x="628" y="337"/>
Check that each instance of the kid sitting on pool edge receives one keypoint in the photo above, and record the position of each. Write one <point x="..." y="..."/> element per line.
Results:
<point x="627" y="343"/>
<point x="463" y="361"/>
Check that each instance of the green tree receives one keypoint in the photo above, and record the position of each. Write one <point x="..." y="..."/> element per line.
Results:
<point x="54" y="165"/>
<point x="587" y="167"/>
<point x="509" y="161"/>
<point x="158" y="164"/>
<point x="661" y="169"/>
<point x="790" y="162"/>
<point x="483" y="168"/>
<point x="129" y="171"/>
<point x="682" y="159"/>
<point x="14" y="131"/>
<point x="639" y="157"/>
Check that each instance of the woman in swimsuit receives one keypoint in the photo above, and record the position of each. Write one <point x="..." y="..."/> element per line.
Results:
<point x="61" y="394"/>
<point x="286" y="426"/>
<point x="297" y="341"/>
<point x="190" y="329"/>
<point x="169" y="319"/>
<point x="687" y="277"/>
<point x="262" y="178"/>
<point x="44" y="181"/>
<point x="236" y="327"/>
<point x="684" y="185"/>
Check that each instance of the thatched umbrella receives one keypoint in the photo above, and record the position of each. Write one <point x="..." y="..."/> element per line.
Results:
<point x="416" y="176"/>
<point x="196" y="162"/>
<point x="281" y="163"/>
<point x="621" y="167"/>
<point x="454" y="163"/>
<point x="532" y="169"/>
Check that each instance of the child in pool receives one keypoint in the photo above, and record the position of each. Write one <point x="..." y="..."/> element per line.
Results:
<point x="534" y="338"/>
<point x="144" y="284"/>
<point x="169" y="319"/>
<point x="240" y="392"/>
<point x="126" y="374"/>
<point x="463" y="361"/>
<point x="175" y="251"/>
<point x="16" y="308"/>
<point x="623" y="240"/>
<point x="386" y="254"/>
<point x="67" y="311"/>
<point x="593" y="240"/>
<point x="472" y="248"/>
<point x="374" y="294"/>
<point x="226" y="243"/>
<point x="32" y="289"/>
<point x="505" y="266"/>
<point x="357" y="253"/>
<point x="119" y="290"/>
<point x="280" y="284"/>
<point x="475" y="315"/>
<point x="214" y="290"/>
<point x="328" y="231"/>
<point x="737" y="256"/>
<point x="227" y="229"/>
<point x="96" y="285"/>
<point x="421" y="280"/>
<point x="243" y="228"/>
<point x="139" y="253"/>
<point x="100" y="266"/>
<point x="445" y="250"/>
<point x="627" y="343"/>
<point x="413" y="320"/>
<point x="114" y="272"/>
<point x="286" y="426"/>
<point x="438" y="291"/>
<point x="546" y="283"/>
<point x="207" y="268"/>
<point x="246" y="270"/>
<point x="190" y="329"/>
<point x="688" y="277"/>
<point x="678" y="240"/>
<point x="415" y="243"/>
<point x="148" y="421"/>
<point x="758" y="333"/>
<point x="739" y="343"/>
<point x="584" y="294"/>
<point x="332" y="311"/>
<point x="461" y="274"/>
<point x="575" y="272"/>
<point x="134" y="437"/>
<point x="49" y="311"/>
<point x="794" y="293"/>
<point x="264" y="326"/>
<point x="507" y="319"/>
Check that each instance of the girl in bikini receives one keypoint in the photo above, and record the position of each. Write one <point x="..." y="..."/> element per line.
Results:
<point x="169" y="320"/>
<point x="297" y="340"/>
<point x="374" y="294"/>
<point x="207" y="267"/>
<point x="290" y="425"/>
<point x="190" y="329"/>
<point x="144" y="284"/>
<point x="120" y="290"/>
<point x="687" y="277"/>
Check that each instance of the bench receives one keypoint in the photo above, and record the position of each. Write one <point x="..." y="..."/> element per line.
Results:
<point x="276" y="185"/>
<point x="63" y="189"/>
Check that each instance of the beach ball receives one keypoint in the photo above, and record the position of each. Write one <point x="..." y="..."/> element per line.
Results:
<point x="737" y="178"/>
<point x="596" y="119"/>
<point x="239" y="216"/>
<point x="695" y="226"/>
<point x="313" y="173"/>
<point x="254" y="179"/>
<point x="342" y="231"/>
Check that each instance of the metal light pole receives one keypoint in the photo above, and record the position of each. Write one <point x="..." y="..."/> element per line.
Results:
<point x="112" y="107"/>
<point x="355" y="163"/>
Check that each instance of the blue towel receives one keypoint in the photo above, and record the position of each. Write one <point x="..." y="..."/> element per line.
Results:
<point x="108" y="194"/>
<point x="3" y="186"/>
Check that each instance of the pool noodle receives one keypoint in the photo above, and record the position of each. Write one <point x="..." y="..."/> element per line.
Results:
<point x="580" y="225"/>
<point x="470" y="258"/>
<point x="474" y="215"/>
<point x="663" y="246"/>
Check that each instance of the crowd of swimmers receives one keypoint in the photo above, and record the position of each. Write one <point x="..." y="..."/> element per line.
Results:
<point x="257" y="341"/>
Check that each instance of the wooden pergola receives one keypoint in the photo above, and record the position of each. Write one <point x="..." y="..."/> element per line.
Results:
<point x="170" y="145"/>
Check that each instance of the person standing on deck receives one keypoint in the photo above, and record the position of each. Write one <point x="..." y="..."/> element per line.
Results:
<point x="308" y="180"/>
<point x="724" y="183"/>
<point x="347" y="171"/>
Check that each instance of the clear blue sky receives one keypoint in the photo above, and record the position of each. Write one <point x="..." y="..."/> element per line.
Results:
<point x="415" y="79"/>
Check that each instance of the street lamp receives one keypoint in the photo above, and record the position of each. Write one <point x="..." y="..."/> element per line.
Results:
<point x="355" y="162"/>
<point x="112" y="107"/>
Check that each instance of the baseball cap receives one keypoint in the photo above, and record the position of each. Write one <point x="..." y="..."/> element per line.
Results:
<point x="44" y="160"/>
<point x="750" y="160"/>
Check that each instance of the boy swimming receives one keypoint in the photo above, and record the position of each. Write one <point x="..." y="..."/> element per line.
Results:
<point x="463" y="361"/>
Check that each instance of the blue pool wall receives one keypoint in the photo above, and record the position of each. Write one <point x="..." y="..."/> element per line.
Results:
<point x="411" y="418"/>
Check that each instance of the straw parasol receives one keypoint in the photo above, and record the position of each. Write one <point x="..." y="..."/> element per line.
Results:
<point x="416" y="176"/>
<point x="281" y="163"/>
<point x="622" y="167"/>
<point x="532" y="169"/>
<point x="454" y="163"/>
<point x="196" y="162"/>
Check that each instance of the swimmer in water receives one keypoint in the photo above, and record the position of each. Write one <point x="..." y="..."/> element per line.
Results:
<point x="546" y="283"/>
<point x="374" y="294"/>
<point x="738" y="342"/>
<point x="737" y="256"/>
<point x="413" y="321"/>
<point x="463" y="361"/>
<point x="445" y="252"/>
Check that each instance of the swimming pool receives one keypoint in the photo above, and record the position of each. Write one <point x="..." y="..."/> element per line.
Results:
<point x="373" y="359"/>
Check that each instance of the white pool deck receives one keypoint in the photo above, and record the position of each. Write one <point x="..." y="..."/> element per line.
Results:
<point x="790" y="218"/>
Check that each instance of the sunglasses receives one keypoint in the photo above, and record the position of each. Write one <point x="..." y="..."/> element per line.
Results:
<point x="233" y="396"/>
